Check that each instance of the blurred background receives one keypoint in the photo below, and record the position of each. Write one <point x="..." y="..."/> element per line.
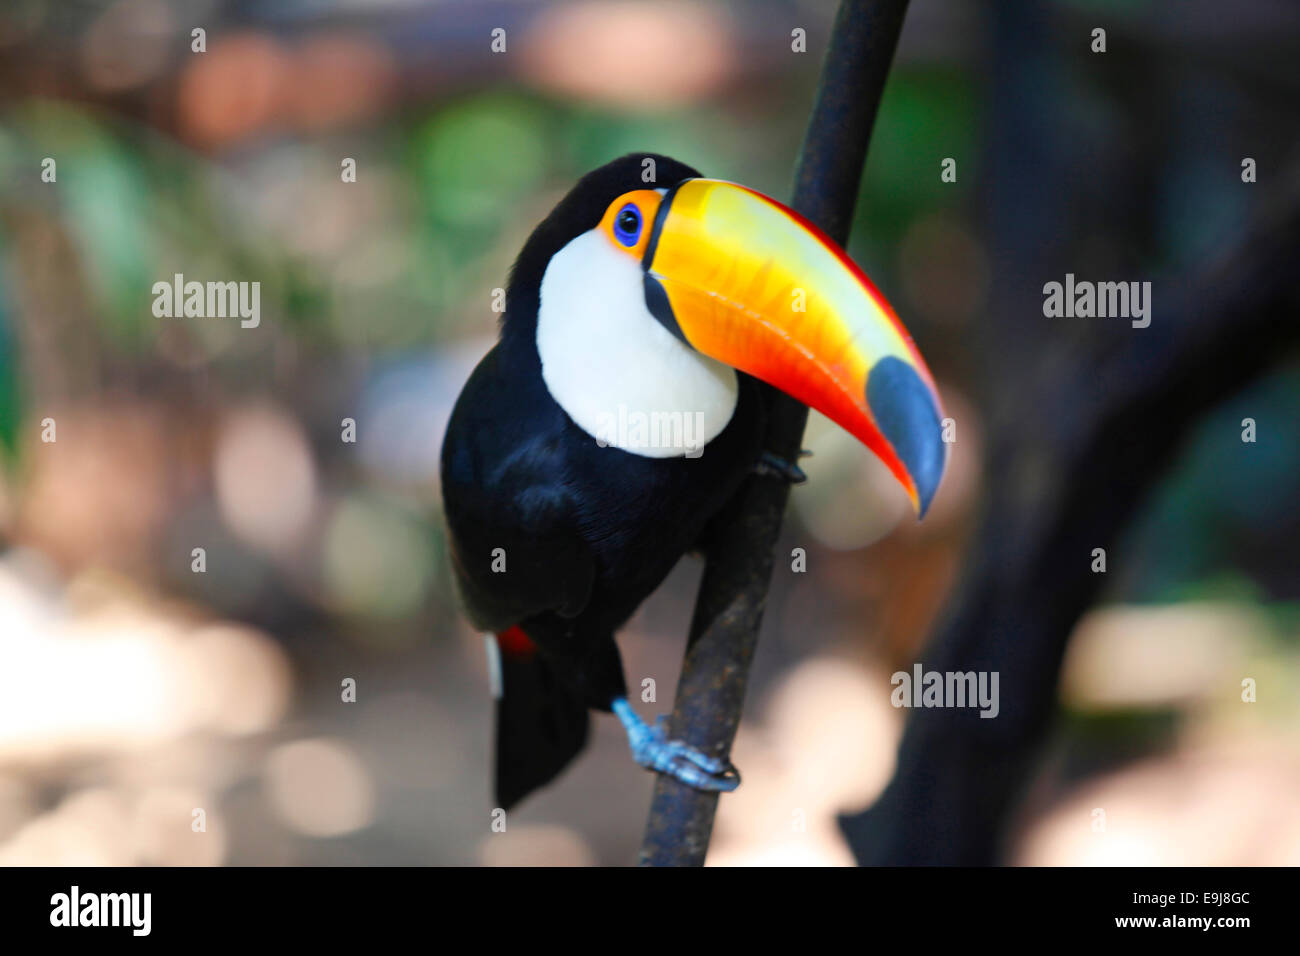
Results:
<point x="137" y="689"/>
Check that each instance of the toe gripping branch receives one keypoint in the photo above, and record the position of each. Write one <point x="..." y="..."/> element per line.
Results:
<point x="773" y="465"/>
<point x="652" y="749"/>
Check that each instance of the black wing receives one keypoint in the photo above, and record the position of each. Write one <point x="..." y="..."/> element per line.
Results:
<point x="516" y="547"/>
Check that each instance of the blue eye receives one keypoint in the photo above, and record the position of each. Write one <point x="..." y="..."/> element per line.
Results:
<point x="627" y="225"/>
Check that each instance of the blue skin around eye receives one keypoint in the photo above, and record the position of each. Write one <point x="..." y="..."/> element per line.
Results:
<point x="627" y="238"/>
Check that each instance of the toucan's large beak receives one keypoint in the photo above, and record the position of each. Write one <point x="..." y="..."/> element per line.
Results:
<point x="749" y="282"/>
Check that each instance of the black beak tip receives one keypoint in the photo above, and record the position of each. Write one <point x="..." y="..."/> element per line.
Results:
<point x="906" y="414"/>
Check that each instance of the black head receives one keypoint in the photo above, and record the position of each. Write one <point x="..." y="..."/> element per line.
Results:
<point x="578" y="212"/>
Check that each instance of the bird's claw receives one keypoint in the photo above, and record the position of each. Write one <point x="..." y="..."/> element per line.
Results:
<point x="652" y="749"/>
<point x="774" y="466"/>
<point x="686" y="764"/>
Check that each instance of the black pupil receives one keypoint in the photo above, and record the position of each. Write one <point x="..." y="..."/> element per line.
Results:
<point x="627" y="221"/>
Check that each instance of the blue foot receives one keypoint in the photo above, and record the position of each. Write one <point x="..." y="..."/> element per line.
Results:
<point x="652" y="749"/>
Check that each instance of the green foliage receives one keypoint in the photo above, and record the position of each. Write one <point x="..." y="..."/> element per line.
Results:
<point x="927" y="114"/>
<point x="10" y="395"/>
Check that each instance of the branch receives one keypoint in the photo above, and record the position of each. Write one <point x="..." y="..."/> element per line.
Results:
<point x="724" y="630"/>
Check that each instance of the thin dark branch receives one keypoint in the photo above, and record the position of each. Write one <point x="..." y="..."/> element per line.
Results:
<point x="724" y="631"/>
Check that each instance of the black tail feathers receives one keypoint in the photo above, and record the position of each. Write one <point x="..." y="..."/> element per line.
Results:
<point x="541" y="724"/>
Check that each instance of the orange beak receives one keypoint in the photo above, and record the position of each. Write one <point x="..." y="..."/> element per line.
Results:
<point x="751" y="283"/>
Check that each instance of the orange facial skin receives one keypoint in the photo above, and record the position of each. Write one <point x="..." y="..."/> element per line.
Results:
<point x="647" y="203"/>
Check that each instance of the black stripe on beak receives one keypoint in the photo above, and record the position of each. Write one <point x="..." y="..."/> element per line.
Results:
<point x="656" y="299"/>
<point x="658" y="226"/>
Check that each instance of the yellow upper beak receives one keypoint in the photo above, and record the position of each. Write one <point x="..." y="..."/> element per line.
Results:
<point x="751" y="283"/>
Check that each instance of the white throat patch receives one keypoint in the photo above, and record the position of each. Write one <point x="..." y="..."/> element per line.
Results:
<point x="618" y="373"/>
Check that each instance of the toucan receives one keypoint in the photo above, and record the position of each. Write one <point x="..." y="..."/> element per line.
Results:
<point x="620" y="410"/>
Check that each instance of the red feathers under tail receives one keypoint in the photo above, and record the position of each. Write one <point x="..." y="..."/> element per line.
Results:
<point x="540" y="724"/>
